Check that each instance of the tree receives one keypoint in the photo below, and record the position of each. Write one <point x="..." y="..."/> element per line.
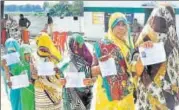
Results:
<point x="59" y="9"/>
<point x="64" y="8"/>
<point x="46" y="5"/>
<point x="77" y="8"/>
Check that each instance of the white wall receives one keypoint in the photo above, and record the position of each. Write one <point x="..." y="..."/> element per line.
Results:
<point x="140" y="17"/>
<point x="65" y="24"/>
<point x="83" y="24"/>
<point x="68" y="24"/>
<point x="96" y="31"/>
<point x="92" y="31"/>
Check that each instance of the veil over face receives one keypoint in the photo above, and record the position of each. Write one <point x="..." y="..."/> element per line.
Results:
<point x="161" y="27"/>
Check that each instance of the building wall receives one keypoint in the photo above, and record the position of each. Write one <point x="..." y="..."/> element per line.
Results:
<point x="97" y="31"/>
<point x="92" y="31"/>
<point x="66" y="24"/>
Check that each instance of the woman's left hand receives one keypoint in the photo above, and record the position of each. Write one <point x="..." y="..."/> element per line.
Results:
<point x="95" y="70"/>
<point x="147" y="44"/>
<point x="88" y="81"/>
<point x="35" y="75"/>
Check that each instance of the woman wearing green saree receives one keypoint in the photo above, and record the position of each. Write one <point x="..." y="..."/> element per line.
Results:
<point x="27" y="94"/>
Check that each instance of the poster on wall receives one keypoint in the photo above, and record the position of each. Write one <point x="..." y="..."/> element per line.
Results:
<point x="97" y="17"/>
<point x="129" y="16"/>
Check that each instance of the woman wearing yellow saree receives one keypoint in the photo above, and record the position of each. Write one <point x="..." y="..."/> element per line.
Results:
<point x="115" y="92"/>
<point x="47" y="88"/>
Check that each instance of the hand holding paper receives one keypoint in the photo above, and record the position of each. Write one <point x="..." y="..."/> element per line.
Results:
<point x="63" y="81"/>
<point x="9" y="84"/>
<point x="12" y="58"/>
<point x="87" y="81"/>
<point x="74" y="79"/>
<point x="147" y="44"/>
<point x="153" y="55"/>
<point x="108" y="67"/>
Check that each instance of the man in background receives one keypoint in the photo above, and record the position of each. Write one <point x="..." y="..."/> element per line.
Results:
<point x="3" y="21"/>
<point x="6" y="24"/>
<point x="136" y="29"/>
<point x="50" y="24"/>
<point x="24" y="24"/>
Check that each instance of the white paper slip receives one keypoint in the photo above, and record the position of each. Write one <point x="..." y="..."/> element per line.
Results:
<point x="74" y="79"/>
<point x="20" y="81"/>
<point x="45" y="69"/>
<point x="153" y="55"/>
<point x="12" y="58"/>
<point x="108" y="67"/>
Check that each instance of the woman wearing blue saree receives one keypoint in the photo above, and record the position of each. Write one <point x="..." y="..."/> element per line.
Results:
<point x="11" y="45"/>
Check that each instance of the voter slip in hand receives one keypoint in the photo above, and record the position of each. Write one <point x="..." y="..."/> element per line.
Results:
<point x="153" y="55"/>
<point x="46" y="69"/>
<point x="20" y="81"/>
<point x="12" y="58"/>
<point x="108" y="67"/>
<point x="74" y="79"/>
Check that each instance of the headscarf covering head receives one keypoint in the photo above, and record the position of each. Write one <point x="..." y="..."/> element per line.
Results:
<point x="161" y="23"/>
<point x="44" y="41"/>
<point x="75" y="40"/>
<point x="25" y="49"/>
<point x="115" y="18"/>
<point x="161" y="27"/>
<point x="79" y="39"/>
<point x="12" y="45"/>
<point x="77" y="46"/>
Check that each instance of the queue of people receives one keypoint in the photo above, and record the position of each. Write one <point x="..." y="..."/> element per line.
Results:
<point x="113" y="76"/>
<point x="14" y="29"/>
